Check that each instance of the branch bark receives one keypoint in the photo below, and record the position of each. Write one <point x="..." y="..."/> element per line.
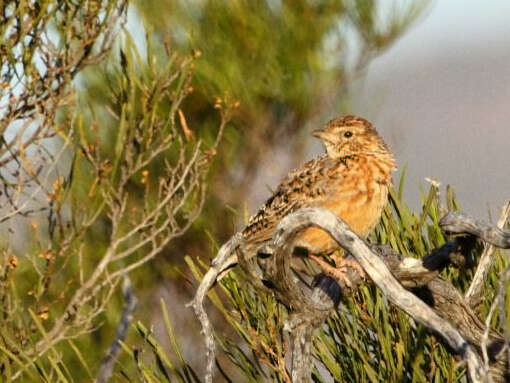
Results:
<point x="108" y="362"/>
<point x="219" y="263"/>
<point x="382" y="277"/>
<point x="460" y="223"/>
<point x="414" y="285"/>
<point x="474" y="293"/>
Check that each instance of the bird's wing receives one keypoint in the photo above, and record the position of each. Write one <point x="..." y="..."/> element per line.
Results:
<point x="305" y="186"/>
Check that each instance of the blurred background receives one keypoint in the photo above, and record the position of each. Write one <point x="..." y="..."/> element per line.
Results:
<point x="433" y="77"/>
<point x="441" y="96"/>
<point x="438" y="92"/>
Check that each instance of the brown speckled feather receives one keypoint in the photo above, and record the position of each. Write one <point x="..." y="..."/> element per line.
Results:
<point x="351" y="180"/>
<point x="306" y="186"/>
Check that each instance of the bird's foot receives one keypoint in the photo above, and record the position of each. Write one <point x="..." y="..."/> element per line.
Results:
<point x="340" y="272"/>
<point x="346" y="262"/>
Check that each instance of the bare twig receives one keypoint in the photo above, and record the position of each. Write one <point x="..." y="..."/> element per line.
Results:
<point x="474" y="293"/>
<point x="460" y="223"/>
<point x="108" y="362"/>
<point x="218" y="264"/>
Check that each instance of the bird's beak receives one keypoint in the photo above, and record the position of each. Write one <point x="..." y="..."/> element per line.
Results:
<point x="323" y="135"/>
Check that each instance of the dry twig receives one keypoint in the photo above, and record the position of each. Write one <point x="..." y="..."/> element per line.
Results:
<point x="474" y="293"/>
<point x="108" y="362"/>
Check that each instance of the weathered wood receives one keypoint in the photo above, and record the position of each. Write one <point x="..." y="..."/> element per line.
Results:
<point x="218" y="265"/>
<point x="460" y="223"/>
<point x="475" y="292"/>
<point x="374" y="266"/>
<point x="412" y="284"/>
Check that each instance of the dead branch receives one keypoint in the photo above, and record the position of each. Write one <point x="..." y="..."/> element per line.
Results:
<point x="108" y="362"/>
<point x="381" y="276"/>
<point x="460" y="223"/>
<point x="217" y="265"/>
<point x="474" y="293"/>
<point x="414" y="285"/>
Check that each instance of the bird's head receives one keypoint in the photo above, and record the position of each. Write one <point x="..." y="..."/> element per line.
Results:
<point x="350" y="135"/>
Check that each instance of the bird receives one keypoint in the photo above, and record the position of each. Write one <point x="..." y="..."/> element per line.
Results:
<point x="351" y="179"/>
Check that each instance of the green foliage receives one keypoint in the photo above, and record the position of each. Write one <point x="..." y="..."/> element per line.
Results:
<point x="107" y="214"/>
<point x="365" y="340"/>
<point x="288" y="63"/>
<point x="275" y="53"/>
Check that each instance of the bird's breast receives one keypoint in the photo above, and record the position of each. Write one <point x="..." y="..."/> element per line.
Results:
<point x="358" y="198"/>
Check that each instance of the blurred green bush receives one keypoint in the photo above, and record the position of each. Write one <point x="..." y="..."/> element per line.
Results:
<point x="276" y="68"/>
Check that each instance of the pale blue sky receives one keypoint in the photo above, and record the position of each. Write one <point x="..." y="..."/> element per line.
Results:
<point x="441" y="98"/>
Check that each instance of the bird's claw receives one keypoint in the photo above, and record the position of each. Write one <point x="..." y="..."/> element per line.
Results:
<point x="339" y="271"/>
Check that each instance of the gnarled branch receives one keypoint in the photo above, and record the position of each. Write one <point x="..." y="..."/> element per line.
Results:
<point x="460" y="223"/>
<point x="414" y="285"/>
<point x="378" y="271"/>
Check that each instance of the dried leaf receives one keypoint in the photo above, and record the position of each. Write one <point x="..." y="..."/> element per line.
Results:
<point x="186" y="130"/>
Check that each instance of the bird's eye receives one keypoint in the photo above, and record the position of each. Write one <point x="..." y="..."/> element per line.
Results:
<point x="348" y="134"/>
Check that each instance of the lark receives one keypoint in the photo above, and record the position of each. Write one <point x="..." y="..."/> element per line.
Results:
<point x="351" y="179"/>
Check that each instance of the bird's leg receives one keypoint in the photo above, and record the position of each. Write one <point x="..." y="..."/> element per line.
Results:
<point x="338" y="274"/>
<point x="345" y="262"/>
<point x="339" y="271"/>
